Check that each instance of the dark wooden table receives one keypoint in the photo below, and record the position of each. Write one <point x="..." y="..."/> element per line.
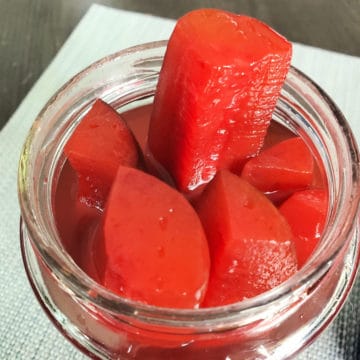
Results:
<point x="32" y="31"/>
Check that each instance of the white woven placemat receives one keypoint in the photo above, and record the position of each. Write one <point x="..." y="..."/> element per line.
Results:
<point x="25" y="331"/>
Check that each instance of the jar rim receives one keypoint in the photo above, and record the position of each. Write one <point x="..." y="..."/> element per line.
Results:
<point x="79" y="282"/>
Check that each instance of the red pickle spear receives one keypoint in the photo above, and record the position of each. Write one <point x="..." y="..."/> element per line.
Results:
<point x="286" y="166"/>
<point x="250" y="242"/>
<point x="100" y="143"/>
<point x="156" y="248"/>
<point x="306" y="213"/>
<point x="218" y="87"/>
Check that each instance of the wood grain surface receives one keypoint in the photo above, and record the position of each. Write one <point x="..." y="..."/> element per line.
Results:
<point x="32" y="31"/>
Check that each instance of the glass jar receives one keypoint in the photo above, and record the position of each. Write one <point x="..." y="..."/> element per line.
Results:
<point x="276" y="324"/>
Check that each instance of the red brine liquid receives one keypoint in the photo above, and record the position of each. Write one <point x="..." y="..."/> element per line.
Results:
<point x="78" y="223"/>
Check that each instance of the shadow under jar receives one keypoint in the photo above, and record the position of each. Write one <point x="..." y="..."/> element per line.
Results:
<point x="276" y="324"/>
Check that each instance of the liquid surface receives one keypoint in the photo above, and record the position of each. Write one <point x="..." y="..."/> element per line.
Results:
<point x="77" y="223"/>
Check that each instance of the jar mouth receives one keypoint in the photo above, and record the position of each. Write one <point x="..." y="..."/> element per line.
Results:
<point x="329" y="135"/>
